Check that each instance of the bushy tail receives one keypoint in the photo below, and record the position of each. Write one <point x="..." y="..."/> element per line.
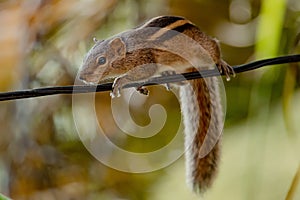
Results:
<point x="202" y="114"/>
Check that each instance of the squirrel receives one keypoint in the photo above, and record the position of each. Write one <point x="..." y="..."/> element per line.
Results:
<point x="146" y="51"/>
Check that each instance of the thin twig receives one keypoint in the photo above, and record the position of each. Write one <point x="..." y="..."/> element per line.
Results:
<point x="72" y="89"/>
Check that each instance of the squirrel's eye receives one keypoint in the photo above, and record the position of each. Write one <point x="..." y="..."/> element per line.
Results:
<point x="101" y="60"/>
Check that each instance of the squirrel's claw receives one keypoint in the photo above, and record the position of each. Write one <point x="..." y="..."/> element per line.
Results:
<point x="226" y="69"/>
<point x="143" y="90"/>
<point x="115" y="93"/>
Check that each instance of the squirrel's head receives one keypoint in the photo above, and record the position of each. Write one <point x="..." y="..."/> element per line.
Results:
<point x="98" y="63"/>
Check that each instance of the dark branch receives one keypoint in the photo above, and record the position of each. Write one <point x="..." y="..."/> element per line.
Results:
<point x="154" y="81"/>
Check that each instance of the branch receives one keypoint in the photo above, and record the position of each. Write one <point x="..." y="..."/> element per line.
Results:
<point x="22" y="94"/>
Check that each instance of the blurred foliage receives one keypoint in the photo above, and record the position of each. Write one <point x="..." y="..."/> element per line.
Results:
<point x="43" y="43"/>
<point x="2" y="197"/>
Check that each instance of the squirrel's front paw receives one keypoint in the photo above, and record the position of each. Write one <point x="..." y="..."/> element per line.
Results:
<point x="116" y="87"/>
<point x="119" y="83"/>
<point x="115" y="93"/>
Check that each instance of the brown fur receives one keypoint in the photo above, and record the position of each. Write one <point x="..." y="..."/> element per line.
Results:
<point x="130" y="59"/>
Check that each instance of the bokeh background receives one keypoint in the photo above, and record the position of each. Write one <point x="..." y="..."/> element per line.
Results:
<point x="43" y="43"/>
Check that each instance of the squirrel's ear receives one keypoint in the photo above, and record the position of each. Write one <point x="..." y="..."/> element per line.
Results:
<point x="118" y="47"/>
<point x="95" y="40"/>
